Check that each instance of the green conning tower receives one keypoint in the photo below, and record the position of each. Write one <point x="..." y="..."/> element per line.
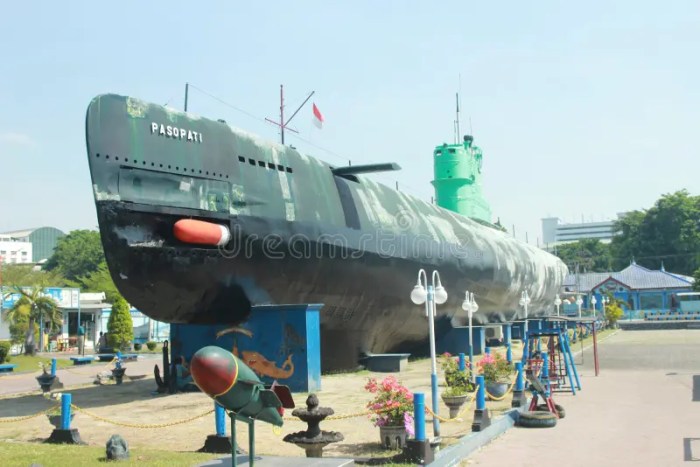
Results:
<point x="458" y="179"/>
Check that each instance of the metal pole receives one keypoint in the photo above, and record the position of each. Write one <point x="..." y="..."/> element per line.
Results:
<point x="471" y="347"/>
<point x="234" y="459"/>
<point x="433" y="361"/>
<point x="282" y="112"/>
<point x="187" y="89"/>
<point x="595" y="350"/>
<point x="481" y="393"/>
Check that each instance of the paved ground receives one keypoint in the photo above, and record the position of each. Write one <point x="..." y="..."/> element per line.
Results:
<point x="75" y="375"/>
<point x="639" y="411"/>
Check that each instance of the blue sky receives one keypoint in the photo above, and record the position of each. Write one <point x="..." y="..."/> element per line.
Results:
<point x="581" y="108"/>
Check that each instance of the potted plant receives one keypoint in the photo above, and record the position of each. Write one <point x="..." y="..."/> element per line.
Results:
<point x="458" y="384"/>
<point x="54" y="417"/>
<point x="118" y="370"/>
<point x="497" y="374"/>
<point x="45" y="379"/>
<point x="392" y="408"/>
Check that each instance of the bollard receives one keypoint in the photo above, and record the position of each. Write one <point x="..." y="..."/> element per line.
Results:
<point x="419" y="415"/>
<point x="53" y="367"/>
<point x="519" y="396"/>
<point x="487" y="350"/>
<point x="418" y="450"/>
<point x="462" y="364"/>
<point x="218" y="443"/>
<point x="65" y="434"/>
<point x="481" y="413"/>
<point x="509" y="353"/>
<point x="65" y="411"/>
<point x="220" y="419"/>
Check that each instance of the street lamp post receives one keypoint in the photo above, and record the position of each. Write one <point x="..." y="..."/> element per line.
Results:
<point x="579" y="302"/>
<point x="470" y="306"/>
<point x="593" y="303"/>
<point x="434" y="295"/>
<point x="557" y="303"/>
<point x="524" y="302"/>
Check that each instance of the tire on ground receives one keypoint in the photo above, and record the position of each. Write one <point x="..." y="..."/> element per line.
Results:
<point x="537" y="419"/>
<point x="560" y="410"/>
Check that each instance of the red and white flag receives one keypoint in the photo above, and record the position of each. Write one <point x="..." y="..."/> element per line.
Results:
<point x="318" y="117"/>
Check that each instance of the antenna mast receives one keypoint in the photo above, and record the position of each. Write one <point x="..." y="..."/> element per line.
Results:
<point x="282" y="124"/>
<point x="457" y="133"/>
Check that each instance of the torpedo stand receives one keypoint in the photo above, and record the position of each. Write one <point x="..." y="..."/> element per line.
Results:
<point x="251" y="437"/>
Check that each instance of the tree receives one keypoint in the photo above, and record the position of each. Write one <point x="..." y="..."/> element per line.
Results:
<point x="668" y="232"/>
<point x="77" y="254"/>
<point x="34" y="307"/>
<point x="696" y="284"/>
<point x="99" y="280"/>
<point x="25" y="275"/>
<point x="120" y="327"/>
<point x="590" y="255"/>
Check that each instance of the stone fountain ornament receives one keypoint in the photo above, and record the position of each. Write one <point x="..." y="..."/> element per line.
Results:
<point x="313" y="440"/>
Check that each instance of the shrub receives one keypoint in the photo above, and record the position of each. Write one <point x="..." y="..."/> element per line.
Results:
<point x="496" y="369"/>
<point x="5" y="351"/>
<point x="137" y="346"/>
<point x="151" y="345"/>
<point x="613" y="313"/>
<point x="392" y="404"/>
<point x="120" y="327"/>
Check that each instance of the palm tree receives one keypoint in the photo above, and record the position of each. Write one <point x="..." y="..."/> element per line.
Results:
<point x="34" y="306"/>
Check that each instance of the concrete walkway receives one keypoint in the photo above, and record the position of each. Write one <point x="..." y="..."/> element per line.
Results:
<point x="76" y="375"/>
<point x="639" y="411"/>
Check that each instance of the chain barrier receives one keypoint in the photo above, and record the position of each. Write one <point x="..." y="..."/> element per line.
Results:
<point x="136" y="425"/>
<point x="510" y="389"/>
<point x="29" y="417"/>
<point x="459" y="415"/>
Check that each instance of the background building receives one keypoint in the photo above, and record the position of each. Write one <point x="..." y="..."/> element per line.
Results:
<point x="42" y="240"/>
<point x="640" y="290"/>
<point x="555" y="232"/>
<point x="14" y="251"/>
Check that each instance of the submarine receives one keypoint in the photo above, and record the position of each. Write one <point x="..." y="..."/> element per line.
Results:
<point x="201" y="222"/>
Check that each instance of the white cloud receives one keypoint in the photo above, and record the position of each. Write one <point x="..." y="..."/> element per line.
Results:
<point x="17" y="139"/>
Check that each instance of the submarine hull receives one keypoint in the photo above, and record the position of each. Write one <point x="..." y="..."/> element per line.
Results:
<point x="298" y="234"/>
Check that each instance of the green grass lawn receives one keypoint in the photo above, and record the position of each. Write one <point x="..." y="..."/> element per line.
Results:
<point x="24" y="454"/>
<point x="26" y="363"/>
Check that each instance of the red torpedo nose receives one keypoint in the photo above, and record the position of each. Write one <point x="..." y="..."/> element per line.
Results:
<point x="201" y="232"/>
<point x="214" y="370"/>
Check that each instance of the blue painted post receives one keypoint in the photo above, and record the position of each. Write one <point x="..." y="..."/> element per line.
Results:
<point x="220" y="418"/>
<point x="65" y="411"/>
<point x="462" y="364"/>
<point x="419" y="415"/>
<point x="53" y="367"/>
<point x="481" y="393"/>
<point x="509" y="354"/>
<point x="507" y="333"/>
<point x="487" y="350"/>
<point x="519" y="380"/>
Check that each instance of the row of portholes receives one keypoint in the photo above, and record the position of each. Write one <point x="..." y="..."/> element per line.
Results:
<point x="269" y="165"/>
<point x="170" y="167"/>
